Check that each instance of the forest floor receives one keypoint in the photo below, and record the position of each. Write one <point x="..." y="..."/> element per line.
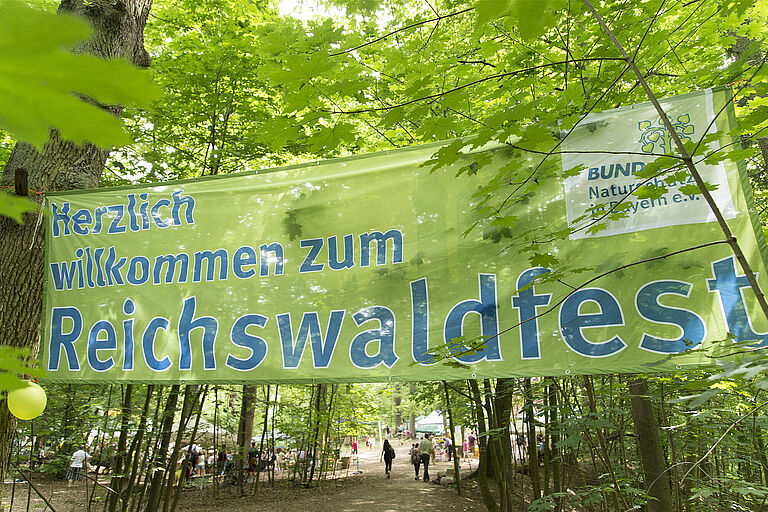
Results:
<point x="367" y="491"/>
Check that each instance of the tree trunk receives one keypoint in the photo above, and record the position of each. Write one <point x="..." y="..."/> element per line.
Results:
<point x="160" y="463"/>
<point x="649" y="446"/>
<point x="135" y="450"/>
<point x="398" y="406"/>
<point x="482" y="463"/>
<point x="244" y="433"/>
<point x="118" y="32"/>
<point x="451" y="429"/>
<point x="412" y="418"/>
<point x="533" y="454"/>
<point x="117" y="475"/>
<point x="261" y="444"/>
<point x="191" y="393"/>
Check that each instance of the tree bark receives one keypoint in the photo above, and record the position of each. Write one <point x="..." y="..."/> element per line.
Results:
<point x="533" y="454"/>
<point x="482" y="463"/>
<point x="135" y="450"/>
<point x="649" y="446"/>
<point x="160" y="464"/>
<point x="244" y="433"/>
<point x="451" y="429"/>
<point x="117" y="475"/>
<point x="263" y="435"/>
<point x="118" y="33"/>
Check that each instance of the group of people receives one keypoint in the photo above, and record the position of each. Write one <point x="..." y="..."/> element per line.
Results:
<point x="421" y="454"/>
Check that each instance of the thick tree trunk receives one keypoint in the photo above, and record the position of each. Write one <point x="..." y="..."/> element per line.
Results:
<point x="118" y="32"/>
<point x="649" y="446"/>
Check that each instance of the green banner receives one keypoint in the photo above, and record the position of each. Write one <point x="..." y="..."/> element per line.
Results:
<point x="360" y="269"/>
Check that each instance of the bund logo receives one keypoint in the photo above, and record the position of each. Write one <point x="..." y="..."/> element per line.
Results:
<point x="657" y="134"/>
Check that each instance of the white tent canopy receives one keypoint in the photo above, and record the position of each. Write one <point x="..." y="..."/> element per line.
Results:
<point x="432" y="423"/>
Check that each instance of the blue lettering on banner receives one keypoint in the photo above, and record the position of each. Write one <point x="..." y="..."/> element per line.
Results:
<point x="63" y="275"/>
<point x="60" y="217"/>
<point x="728" y="286"/>
<point x="322" y="348"/>
<point x="277" y="258"/>
<point x="95" y="344"/>
<point x="692" y="327"/>
<point x="133" y="222"/>
<point x="148" y="345"/>
<point x="114" y="226"/>
<point x="155" y="213"/>
<point x="309" y="265"/>
<point x="188" y="202"/>
<point x="112" y="268"/>
<point x="128" y="309"/>
<point x="138" y="265"/>
<point x="187" y="323"/>
<point x="333" y="253"/>
<point x="244" y="256"/>
<point x="80" y="218"/>
<point x="97" y="255"/>
<point x="255" y="344"/>
<point x="487" y="308"/>
<point x="172" y="261"/>
<point x="572" y="322"/>
<point x="526" y="301"/>
<point x="85" y="222"/>
<point x="385" y="335"/>
<point x="395" y="235"/>
<point x="98" y="213"/>
<point x="60" y="339"/>
<point x="210" y="258"/>
<point x="420" y="322"/>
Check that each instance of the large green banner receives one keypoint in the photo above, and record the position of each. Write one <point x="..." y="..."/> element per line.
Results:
<point x="366" y="269"/>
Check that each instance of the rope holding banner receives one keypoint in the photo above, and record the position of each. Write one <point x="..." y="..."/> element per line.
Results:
<point x="39" y="221"/>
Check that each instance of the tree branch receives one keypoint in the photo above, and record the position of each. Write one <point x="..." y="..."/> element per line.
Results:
<point x="401" y="29"/>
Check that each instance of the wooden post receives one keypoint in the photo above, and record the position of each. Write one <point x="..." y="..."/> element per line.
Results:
<point x="21" y="182"/>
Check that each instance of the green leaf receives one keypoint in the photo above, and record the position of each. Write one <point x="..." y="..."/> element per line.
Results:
<point x="40" y="81"/>
<point x="535" y="17"/>
<point x="545" y="260"/>
<point x="650" y="192"/>
<point x="488" y="10"/>
<point x="329" y="138"/>
<point x="691" y="189"/>
<point x="15" y="361"/>
<point x="14" y="206"/>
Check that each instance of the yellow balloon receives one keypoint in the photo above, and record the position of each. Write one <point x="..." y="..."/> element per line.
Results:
<point x="27" y="403"/>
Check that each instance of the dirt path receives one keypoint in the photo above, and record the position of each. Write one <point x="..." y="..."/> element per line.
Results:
<point x="368" y="491"/>
<point x="371" y="491"/>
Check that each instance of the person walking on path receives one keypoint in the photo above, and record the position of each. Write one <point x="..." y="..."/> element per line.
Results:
<point x="426" y="450"/>
<point x="415" y="458"/>
<point x="388" y="453"/>
<point x="79" y="458"/>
